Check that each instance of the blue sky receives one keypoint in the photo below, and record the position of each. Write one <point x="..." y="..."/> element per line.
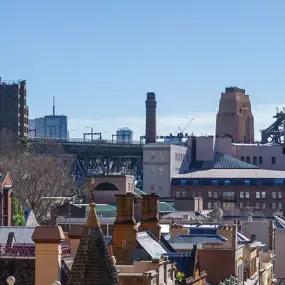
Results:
<point x="100" y="58"/>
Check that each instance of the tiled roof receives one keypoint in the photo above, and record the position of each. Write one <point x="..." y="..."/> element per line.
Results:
<point x="92" y="263"/>
<point x="222" y="161"/>
<point x="233" y="173"/>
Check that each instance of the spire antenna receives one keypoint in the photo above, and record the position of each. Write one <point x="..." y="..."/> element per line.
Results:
<point x="53" y="106"/>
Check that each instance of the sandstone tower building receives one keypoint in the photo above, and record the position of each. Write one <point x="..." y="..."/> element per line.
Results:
<point x="234" y="118"/>
<point x="150" y="126"/>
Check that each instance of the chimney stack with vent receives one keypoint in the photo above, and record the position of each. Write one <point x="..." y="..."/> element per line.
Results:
<point x="125" y="229"/>
<point x="150" y="215"/>
<point x="150" y="126"/>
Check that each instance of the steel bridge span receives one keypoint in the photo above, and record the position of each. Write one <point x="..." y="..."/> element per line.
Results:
<point x="97" y="157"/>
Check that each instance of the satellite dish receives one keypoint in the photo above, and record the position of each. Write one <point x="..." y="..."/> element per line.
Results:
<point x="139" y="255"/>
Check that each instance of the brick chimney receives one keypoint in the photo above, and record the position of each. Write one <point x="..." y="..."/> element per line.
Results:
<point x="150" y="215"/>
<point x="271" y="232"/>
<point x="75" y="234"/>
<point x="230" y="233"/>
<point x="150" y="126"/>
<point x="124" y="239"/>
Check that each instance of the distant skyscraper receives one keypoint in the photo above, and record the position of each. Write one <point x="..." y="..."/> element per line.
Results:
<point x="14" y="111"/>
<point x="37" y="127"/>
<point x="56" y="126"/>
<point x="50" y="126"/>
<point x="124" y="135"/>
<point x="235" y="119"/>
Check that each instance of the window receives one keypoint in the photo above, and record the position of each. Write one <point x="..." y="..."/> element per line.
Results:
<point x="152" y="171"/>
<point x="260" y="160"/>
<point x="241" y="205"/>
<point x="247" y="195"/>
<point x="263" y="206"/>
<point x="279" y="195"/>
<point x="241" y="195"/>
<point x="280" y="207"/>
<point x="254" y="160"/>
<point x="215" y="182"/>
<point x="257" y="195"/>
<point x="160" y="170"/>
<point x="177" y="194"/>
<point x="183" y="182"/>
<point x="247" y="204"/>
<point x="199" y="194"/>
<point x="129" y="186"/>
<point x="246" y="182"/>
<point x="273" y="160"/>
<point x="210" y="194"/>
<point x="274" y="195"/>
<point x="248" y="159"/>
<point x="257" y="206"/>
<point x="215" y="205"/>
<point x="215" y="195"/>
<point x="184" y="194"/>
<point x="273" y="206"/>
<point x="227" y="182"/>
<point x="209" y="205"/>
<point x="152" y="187"/>
<point x="195" y="182"/>
<point x="160" y="188"/>
<point x="263" y="195"/>
<point x="279" y="181"/>
<point x="242" y="158"/>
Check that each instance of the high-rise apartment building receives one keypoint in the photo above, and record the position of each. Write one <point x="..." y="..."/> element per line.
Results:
<point x="234" y="118"/>
<point x="14" y="111"/>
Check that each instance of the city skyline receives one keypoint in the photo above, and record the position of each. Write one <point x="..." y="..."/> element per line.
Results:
<point x="117" y="52"/>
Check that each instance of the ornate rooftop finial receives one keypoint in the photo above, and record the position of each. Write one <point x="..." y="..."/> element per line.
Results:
<point x="92" y="220"/>
<point x="92" y="197"/>
<point x="11" y="280"/>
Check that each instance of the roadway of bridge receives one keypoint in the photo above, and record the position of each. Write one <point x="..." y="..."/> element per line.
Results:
<point x="82" y="147"/>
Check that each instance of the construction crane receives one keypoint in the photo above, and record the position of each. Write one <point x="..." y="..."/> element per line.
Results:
<point x="181" y="134"/>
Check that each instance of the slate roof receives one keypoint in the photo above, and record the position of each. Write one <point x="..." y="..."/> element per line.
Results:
<point x="232" y="173"/>
<point x="92" y="263"/>
<point x="22" y="235"/>
<point x="222" y="161"/>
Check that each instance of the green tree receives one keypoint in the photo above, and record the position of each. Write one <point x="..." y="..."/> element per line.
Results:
<point x="18" y="214"/>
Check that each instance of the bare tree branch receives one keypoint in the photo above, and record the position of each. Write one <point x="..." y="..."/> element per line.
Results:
<point x="43" y="173"/>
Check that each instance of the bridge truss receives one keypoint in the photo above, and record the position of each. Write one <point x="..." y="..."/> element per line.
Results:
<point x="99" y="157"/>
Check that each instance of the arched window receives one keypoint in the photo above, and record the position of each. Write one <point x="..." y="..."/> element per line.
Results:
<point x="106" y="186"/>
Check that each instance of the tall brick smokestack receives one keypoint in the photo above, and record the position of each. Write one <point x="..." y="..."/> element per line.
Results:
<point x="150" y="126"/>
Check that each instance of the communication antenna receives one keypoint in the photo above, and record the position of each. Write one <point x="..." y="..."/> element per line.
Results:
<point x="53" y="107"/>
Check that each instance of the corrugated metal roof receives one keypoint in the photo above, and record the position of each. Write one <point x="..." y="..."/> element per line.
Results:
<point x="22" y="234"/>
<point x="151" y="246"/>
<point x="233" y="173"/>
